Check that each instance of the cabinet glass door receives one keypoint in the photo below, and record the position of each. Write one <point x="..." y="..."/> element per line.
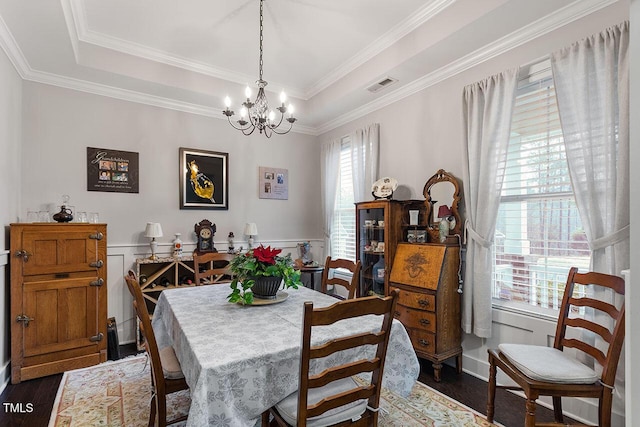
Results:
<point x="371" y="249"/>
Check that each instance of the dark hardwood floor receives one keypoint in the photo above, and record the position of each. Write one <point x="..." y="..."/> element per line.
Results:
<point x="471" y="391"/>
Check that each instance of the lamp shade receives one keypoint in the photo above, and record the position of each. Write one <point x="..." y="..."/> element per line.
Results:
<point x="251" y="229"/>
<point x="154" y="229"/>
<point x="444" y="211"/>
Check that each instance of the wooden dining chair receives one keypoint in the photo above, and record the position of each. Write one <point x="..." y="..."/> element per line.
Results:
<point x="212" y="268"/>
<point x="333" y="397"/>
<point x="329" y="277"/>
<point x="166" y="374"/>
<point x="548" y="371"/>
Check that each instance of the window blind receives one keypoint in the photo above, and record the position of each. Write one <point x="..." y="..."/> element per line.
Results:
<point x="343" y="244"/>
<point x="539" y="234"/>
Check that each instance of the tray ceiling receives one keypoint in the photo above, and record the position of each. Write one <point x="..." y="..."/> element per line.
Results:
<point x="188" y="55"/>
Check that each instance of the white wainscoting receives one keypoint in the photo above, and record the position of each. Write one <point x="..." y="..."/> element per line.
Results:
<point x="122" y="258"/>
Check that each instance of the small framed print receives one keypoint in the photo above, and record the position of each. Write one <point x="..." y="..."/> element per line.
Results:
<point x="411" y="236"/>
<point x="421" y="236"/>
<point x="273" y="183"/>
<point x="204" y="179"/>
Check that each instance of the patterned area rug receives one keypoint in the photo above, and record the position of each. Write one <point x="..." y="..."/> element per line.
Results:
<point x="117" y="394"/>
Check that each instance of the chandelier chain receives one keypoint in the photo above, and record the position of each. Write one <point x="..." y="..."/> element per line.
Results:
<point x="261" y="38"/>
<point x="257" y="115"/>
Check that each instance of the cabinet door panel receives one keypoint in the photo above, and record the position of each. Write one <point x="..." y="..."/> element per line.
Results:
<point x="64" y="314"/>
<point x="55" y="252"/>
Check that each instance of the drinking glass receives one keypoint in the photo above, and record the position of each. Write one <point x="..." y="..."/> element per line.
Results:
<point x="32" y="216"/>
<point x="82" y="217"/>
<point x="43" y="216"/>
<point x="94" y="218"/>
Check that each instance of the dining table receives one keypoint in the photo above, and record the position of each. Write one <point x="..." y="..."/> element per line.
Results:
<point x="240" y="360"/>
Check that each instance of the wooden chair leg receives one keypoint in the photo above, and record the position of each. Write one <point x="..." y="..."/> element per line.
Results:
<point x="152" y="411"/>
<point x="162" y="412"/>
<point x="265" y="418"/>
<point x="491" y="395"/>
<point x="557" y="409"/>
<point x="605" y="403"/>
<point x="530" y="416"/>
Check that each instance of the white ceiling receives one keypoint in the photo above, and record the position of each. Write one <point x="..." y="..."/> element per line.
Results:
<point x="188" y="54"/>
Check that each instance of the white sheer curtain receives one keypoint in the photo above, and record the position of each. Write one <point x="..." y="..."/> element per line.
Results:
<point x="365" y="147"/>
<point x="488" y="107"/>
<point x="592" y="88"/>
<point x="329" y="170"/>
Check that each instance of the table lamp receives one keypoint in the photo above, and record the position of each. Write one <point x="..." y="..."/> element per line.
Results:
<point x="251" y="229"/>
<point x="153" y="230"/>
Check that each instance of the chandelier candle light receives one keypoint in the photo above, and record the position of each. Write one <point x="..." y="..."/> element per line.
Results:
<point x="257" y="114"/>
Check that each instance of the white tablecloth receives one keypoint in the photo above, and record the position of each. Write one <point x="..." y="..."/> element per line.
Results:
<point x="240" y="360"/>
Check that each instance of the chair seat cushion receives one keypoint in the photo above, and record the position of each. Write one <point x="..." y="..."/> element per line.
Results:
<point x="288" y="407"/>
<point x="170" y="365"/>
<point x="548" y="364"/>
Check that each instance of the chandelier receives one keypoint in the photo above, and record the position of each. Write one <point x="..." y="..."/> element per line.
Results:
<point x="257" y="115"/>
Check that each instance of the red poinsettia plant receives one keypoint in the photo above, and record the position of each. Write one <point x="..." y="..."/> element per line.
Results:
<point x="261" y="261"/>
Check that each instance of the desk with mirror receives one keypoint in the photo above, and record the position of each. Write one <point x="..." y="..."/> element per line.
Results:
<point x="427" y="273"/>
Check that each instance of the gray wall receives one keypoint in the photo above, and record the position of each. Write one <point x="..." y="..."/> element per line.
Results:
<point x="10" y="137"/>
<point x="424" y="132"/>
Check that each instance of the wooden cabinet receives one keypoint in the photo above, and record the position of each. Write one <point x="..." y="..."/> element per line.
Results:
<point x="429" y="302"/>
<point x="156" y="275"/>
<point x="379" y="228"/>
<point x="58" y="298"/>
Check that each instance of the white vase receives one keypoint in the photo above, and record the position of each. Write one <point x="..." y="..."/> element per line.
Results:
<point x="177" y="246"/>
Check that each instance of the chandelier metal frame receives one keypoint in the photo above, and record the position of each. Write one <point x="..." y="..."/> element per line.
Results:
<point x="257" y="113"/>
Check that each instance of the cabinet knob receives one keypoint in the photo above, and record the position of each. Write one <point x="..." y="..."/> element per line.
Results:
<point x="397" y="314"/>
<point x="99" y="263"/>
<point x="96" y="236"/>
<point x="423" y="303"/>
<point x="424" y="342"/>
<point x="425" y="322"/>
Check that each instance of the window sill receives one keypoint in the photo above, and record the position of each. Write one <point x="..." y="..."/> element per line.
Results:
<point x="526" y="310"/>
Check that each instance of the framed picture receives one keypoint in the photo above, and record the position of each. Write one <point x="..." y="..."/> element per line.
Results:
<point x="273" y="183"/>
<point x="113" y="171"/>
<point x="204" y="179"/>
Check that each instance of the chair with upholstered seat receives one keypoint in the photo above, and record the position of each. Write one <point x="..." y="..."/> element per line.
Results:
<point x="212" y="268"/>
<point x="333" y="397"/>
<point x="550" y="371"/>
<point x="329" y="278"/>
<point x="166" y="374"/>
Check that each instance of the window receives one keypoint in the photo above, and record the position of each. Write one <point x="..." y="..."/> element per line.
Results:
<point x="343" y="244"/>
<point x="539" y="234"/>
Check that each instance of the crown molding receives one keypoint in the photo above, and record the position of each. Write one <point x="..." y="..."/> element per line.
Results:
<point x="542" y="26"/>
<point x="422" y="15"/>
<point x="137" y="97"/>
<point x="79" y="31"/>
<point x="566" y="15"/>
<point x="11" y="48"/>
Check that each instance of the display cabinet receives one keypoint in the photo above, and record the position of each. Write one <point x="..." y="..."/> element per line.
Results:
<point x="380" y="225"/>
